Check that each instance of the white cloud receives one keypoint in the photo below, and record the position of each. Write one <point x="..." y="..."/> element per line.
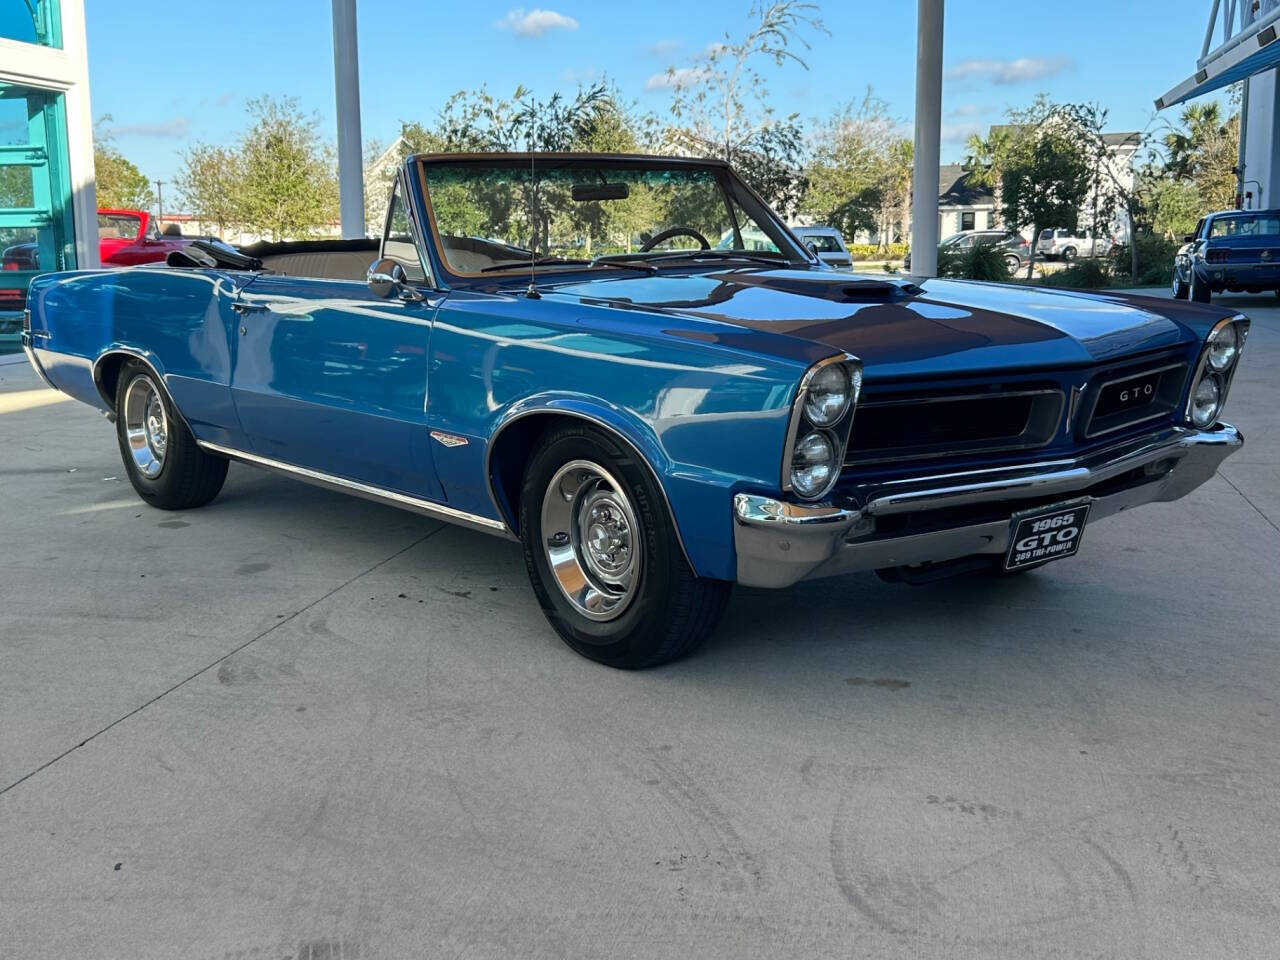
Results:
<point x="175" y="128"/>
<point x="536" y="22"/>
<point x="670" y="79"/>
<point x="1005" y="72"/>
<point x="959" y="132"/>
<point x="663" y="48"/>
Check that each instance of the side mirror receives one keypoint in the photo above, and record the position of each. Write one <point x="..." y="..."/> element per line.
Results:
<point x="1189" y="238"/>
<point x="811" y="247"/>
<point x="387" y="279"/>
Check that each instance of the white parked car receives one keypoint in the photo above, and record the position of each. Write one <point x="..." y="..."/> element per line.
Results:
<point x="827" y="243"/>
<point x="1068" y="244"/>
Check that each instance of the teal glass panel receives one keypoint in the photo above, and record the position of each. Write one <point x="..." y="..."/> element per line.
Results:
<point x="31" y="21"/>
<point x="37" y="232"/>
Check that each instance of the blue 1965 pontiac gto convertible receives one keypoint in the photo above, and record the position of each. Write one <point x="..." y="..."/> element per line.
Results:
<point x="631" y="366"/>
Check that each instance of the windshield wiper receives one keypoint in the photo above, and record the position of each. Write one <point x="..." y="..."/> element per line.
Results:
<point x="558" y="262"/>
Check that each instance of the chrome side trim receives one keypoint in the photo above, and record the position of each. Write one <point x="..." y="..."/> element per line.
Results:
<point x="367" y="491"/>
<point x="609" y="429"/>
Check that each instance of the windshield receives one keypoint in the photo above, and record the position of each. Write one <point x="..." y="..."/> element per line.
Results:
<point x="498" y="214"/>
<point x="117" y="226"/>
<point x="1245" y="226"/>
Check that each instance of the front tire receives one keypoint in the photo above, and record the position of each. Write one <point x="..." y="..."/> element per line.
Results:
<point x="165" y="465"/>
<point x="604" y="558"/>
<point x="1180" y="288"/>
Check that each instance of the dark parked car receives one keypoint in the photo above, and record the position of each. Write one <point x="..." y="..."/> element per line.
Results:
<point x="1016" y="248"/>
<point x="1236" y="250"/>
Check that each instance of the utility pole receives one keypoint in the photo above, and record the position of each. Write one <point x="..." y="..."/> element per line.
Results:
<point x="159" y="202"/>
<point x="924" y="178"/>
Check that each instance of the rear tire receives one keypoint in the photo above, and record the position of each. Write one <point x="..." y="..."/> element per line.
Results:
<point x="620" y="592"/>
<point x="165" y="465"/>
<point x="1199" y="290"/>
<point x="1069" y="254"/>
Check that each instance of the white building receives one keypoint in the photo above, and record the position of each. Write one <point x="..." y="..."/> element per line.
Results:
<point x="48" y="213"/>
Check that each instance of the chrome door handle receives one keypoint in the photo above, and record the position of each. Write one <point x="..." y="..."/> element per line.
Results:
<point x="241" y="307"/>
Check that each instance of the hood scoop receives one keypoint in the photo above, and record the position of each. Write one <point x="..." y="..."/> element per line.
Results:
<point x="835" y="287"/>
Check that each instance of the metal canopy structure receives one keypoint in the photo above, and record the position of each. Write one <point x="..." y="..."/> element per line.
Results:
<point x="1248" y="47"/>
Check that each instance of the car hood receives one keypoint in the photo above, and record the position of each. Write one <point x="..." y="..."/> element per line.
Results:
<point x="898" y="326"/>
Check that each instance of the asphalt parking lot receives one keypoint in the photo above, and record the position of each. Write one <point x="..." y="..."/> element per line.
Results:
<point x="295" y="724"/>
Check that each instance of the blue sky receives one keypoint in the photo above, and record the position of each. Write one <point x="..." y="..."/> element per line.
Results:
<point x="171" y="74"/>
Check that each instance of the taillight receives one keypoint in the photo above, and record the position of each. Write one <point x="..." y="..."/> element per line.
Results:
<point x="1215" y="256"/>
<point x="10" y="265"/>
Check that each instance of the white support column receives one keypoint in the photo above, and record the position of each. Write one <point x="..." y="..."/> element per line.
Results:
<point x="924" y="176"/>
<point x="346" y="79"/>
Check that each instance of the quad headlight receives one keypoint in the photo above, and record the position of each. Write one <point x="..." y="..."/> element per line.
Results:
<point x="821" y="417"/>
<point x="1223" y="347"/>
<point x="1206" y="401"/>
<point x="1217" y="366"/>
<point x="830" y="392"/>
<point x="813" y="464"/>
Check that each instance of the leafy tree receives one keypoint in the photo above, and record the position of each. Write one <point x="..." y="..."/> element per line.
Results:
<point x="120" y="183"/>
<point x="721" y="101"/>
<point x="290" y="186"/>
<point x="1205" y="152"/>
<point x="1175" y="207"/>
<point x="722" y="97"/>
<point x="860" y="169"/>
<point x="1044" y="181"/>
<point x="211" y="182"/>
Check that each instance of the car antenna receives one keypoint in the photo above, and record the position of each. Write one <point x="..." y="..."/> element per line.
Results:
<point x="532" y="293"/>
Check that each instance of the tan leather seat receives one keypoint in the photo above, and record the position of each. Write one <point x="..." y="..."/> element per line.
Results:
<point x="335" y="265"/>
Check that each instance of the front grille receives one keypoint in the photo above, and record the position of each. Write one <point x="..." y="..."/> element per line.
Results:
<point x="1133" y="395"/>
<point x="901" y="428"/>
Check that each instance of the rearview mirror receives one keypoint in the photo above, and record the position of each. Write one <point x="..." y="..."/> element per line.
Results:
<point x="387" y="279"/>
<point x="600" y="191"/>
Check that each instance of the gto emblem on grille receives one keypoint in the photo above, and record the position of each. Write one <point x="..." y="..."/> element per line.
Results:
<point x="448" y="439"/>
<point x="1266" y="256"/>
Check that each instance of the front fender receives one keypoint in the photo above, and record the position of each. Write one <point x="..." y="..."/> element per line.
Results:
<point x="697" y="499"/>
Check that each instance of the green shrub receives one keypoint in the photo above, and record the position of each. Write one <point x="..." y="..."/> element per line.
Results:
<point x="1155" y="260"/>
<point x="1081" y="275"/>
<point x="869" y="251"/>
<point x="982" y="261"/>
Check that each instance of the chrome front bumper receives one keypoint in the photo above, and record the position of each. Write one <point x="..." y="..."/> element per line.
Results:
<point x="779" y="543"/>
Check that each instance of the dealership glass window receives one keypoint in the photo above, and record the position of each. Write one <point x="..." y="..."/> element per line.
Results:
<point x="31" y="21"/>
<point x="36" y="228"/>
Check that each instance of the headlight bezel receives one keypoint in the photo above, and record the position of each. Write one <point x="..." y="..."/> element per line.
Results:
<point x="1205" y="367"/>
<point x="800" y="425"/>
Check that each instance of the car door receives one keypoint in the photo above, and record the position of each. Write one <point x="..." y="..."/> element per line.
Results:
<point x="332" y="378"/>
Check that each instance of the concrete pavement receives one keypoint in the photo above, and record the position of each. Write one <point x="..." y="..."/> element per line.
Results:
<point x="295" y="724"/>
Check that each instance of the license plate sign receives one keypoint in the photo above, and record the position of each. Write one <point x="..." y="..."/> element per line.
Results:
<point x="1050" y="533"/>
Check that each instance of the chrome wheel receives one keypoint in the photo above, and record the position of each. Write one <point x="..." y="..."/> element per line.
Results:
<point x="592" y="541"/>
<point x="146" y="427"/>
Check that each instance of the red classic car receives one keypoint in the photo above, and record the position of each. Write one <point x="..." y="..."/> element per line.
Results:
<point x="125" y="238"/>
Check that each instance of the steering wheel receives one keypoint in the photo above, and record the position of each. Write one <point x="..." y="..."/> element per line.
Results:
<point x="665" y="235"/>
